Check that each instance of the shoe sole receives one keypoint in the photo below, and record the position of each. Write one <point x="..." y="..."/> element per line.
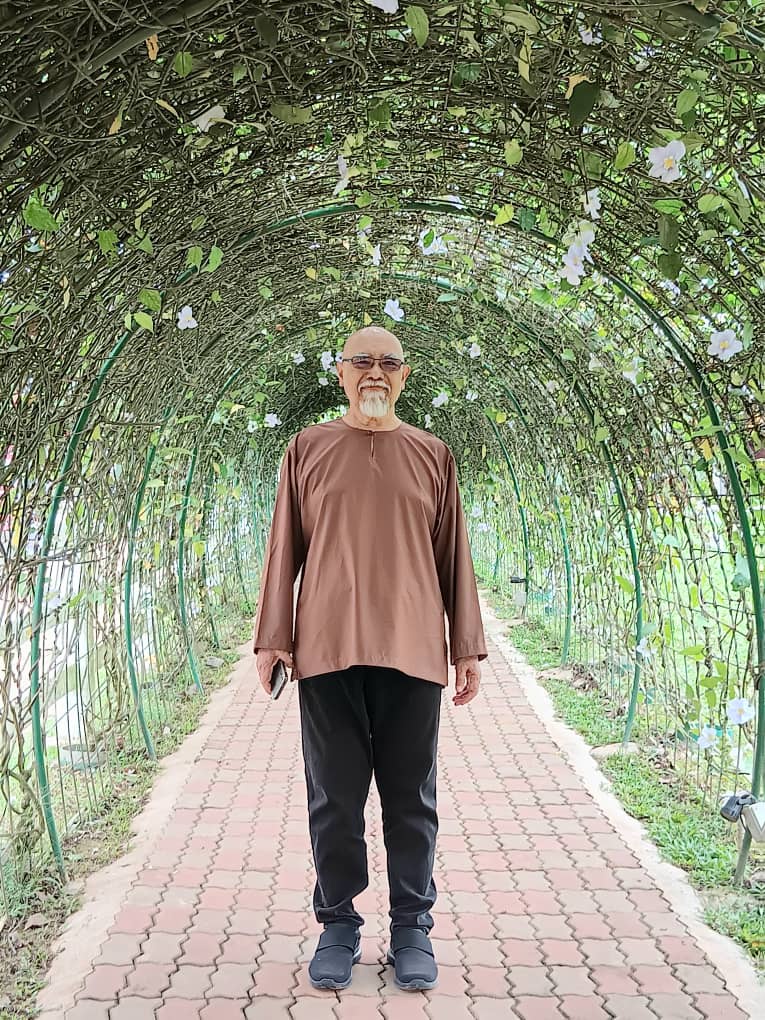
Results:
<point x="329" y="982"/>
<point x="415" y="984"/>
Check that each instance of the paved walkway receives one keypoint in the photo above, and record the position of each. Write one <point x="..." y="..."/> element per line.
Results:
<point x="547" y="906"/>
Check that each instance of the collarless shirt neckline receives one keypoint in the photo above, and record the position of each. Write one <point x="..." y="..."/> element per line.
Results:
<point x="374" y="431"/>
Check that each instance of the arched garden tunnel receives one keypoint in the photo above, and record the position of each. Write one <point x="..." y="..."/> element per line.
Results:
<point x="556" y="207"/>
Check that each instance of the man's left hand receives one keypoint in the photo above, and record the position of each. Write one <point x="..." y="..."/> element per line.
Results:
<point x="468" y="679"/>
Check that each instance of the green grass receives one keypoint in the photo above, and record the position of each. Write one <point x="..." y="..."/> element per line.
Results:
<point x="691" y="833"/>
<point x="586" y="712"/>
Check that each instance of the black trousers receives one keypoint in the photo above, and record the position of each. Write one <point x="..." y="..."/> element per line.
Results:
<point x="353" y="722"/>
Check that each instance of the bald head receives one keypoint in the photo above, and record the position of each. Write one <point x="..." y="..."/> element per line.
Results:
<point x="372" y="392"/>
<point x="373" y="340"/>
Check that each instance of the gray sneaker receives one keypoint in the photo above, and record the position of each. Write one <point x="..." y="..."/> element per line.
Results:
<point x="339" y="947"/>
<point x="411" y="954"/>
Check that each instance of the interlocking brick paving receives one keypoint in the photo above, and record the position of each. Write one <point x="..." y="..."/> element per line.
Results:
<point x="547" y="906"/>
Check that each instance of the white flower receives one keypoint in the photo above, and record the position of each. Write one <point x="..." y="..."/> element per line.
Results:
<point x="186" y="319"/>
<point x="584" y="234"/>
<point x="252" y="425"/>
<point x="386" y="6"/>
<point x="323" y="380"/>
<point x="204" y="120"/>
<point x="272" y="420"/>
<point x="327" y="360"/>
<point x="476" y="511"/>
<point x="441" y="399"/>
<point x="298" y="357"/>
<point x="591" y="203"/>
<point x="376" y="256"/>
<point x="739" y="711"/>
<point x="724" y="345"/>
<point x="342" y="167"/>
<point x="665" y="161"/>
<point x="428" y="421"/>
<point x="471" y="395"/>
<point x="394" y="310"/>
<point x="707" y="737"/>
<point x="475" y="351"/>
<point x="632" y="372"/>
<point x="483" y="526"/>
<point x="642" y="648"/>
<point x="552" y="385"/>
<point x="590" y="36"/>
<point x="573" y="262"/>
<point x="594" y="364"/>
<point x="436" y="247"/>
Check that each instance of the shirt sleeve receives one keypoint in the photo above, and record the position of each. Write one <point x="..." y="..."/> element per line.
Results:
<point x="283" y="558"/>
<point x="456" y="576"/>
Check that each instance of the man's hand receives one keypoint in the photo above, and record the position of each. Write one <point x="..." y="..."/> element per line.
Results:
<point x="266" y="660"/>
<point x="468" y="679"/>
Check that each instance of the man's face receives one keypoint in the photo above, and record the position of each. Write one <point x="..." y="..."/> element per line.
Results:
<point x="372" y="392"/>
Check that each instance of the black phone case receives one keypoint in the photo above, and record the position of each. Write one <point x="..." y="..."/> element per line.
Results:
<point x="278" y="679"/>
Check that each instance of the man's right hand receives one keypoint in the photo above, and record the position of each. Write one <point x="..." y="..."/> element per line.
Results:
<point x="266" y="660"/>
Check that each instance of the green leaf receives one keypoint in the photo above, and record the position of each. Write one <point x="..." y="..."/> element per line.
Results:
<point x="625" y="155"/>
<point x="518" y="16"/>
<point x="417" y="20"/>
<point x="183" y="63"/>
<point x="524" y="58"/>
<point x="379" y="111"/>
<point x="291" y="114"/>
<point x="668" y="232"/>
<point x="144" y="320"/>
<point x="146" y="245"/>
<point x="268" y="30"/>
<point x="216" y="256"/>
<point x="194" y="256"/>
<point x="741" y="579"/>
<point x="107" y="241"/>
<point x="527" y="218"/>
<point x="238" y="73"/>
<point x="686" y="101"/>
<point x="198" y="547"/>
<point x="670" y="265"/>
<point x="37" y="216"/>
<point x="582" y="101"/>
<point x="513" y="152"/>
<point x="151" y="299"/>
<point x="708" y="203"/>
<point x="504" y="215"/>
<point x="601" y="434"/>
<point x="625" y="584"/>
<point x="695" y="652"/>
<point x="671" y="206"/>
<point x="466" y="73"/>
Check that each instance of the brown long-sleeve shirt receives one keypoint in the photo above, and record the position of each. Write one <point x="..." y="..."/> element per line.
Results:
<point x="375" y="521"/>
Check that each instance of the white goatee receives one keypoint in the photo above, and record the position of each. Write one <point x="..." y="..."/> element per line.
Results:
<point x="373" y="404"/>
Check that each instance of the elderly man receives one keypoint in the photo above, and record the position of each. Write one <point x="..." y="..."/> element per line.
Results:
<point x="368" y="506"/>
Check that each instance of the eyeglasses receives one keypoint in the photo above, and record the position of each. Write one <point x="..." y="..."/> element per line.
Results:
<point x="365" y="361"/>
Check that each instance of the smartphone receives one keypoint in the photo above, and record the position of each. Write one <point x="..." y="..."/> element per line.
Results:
<point x="278" y="679"/>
